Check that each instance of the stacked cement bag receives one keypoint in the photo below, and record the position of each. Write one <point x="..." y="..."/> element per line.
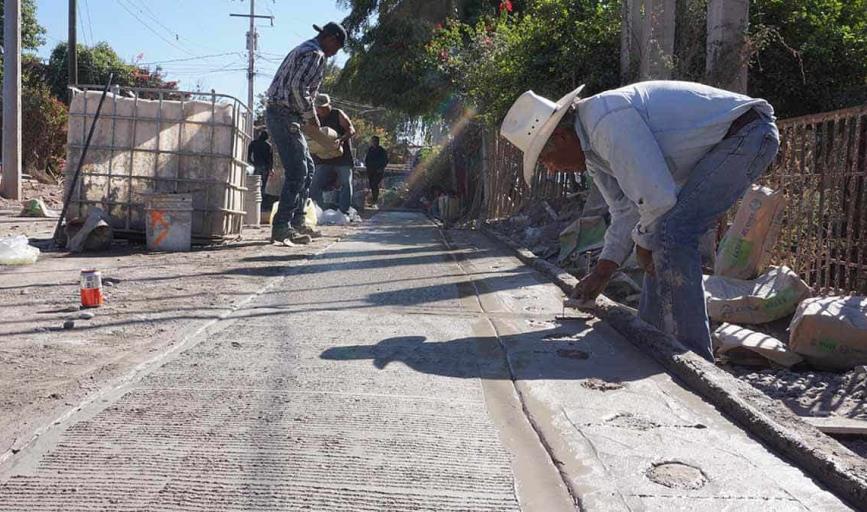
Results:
<point x="773" y="295"/>
<point x="746" y="247"/>
<point x="831" y="332"/>
<point x="325" y="146"/>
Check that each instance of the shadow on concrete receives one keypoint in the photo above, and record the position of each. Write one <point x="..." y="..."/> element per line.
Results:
<point x="559" y="353"/>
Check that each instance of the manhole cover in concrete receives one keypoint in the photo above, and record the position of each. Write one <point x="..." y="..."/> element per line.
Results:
<point x="601" y="385"/>
<point x="677" y="475"/>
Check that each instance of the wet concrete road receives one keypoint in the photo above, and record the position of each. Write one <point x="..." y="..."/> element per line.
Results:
<point x="399" y="371"/>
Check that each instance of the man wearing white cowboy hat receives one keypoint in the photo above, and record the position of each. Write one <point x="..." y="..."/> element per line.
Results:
<point x="670" y="158"/>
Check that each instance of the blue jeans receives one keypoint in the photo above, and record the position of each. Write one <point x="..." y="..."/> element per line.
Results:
<point x="673" y="301"/>
<point x="285" y="129"/>
<point x="344" y="176"/>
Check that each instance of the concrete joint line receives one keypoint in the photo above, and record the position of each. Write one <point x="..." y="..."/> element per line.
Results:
<point x="551" y="459"/>
<point x="821" y="456"/>
<point x="115" y="387"/>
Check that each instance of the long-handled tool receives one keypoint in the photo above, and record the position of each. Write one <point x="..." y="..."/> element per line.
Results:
<point x="81" y="160"/>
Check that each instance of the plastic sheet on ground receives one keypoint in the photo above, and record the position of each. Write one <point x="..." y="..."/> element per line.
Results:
<point x="585" y="234"/>
<point x="741" y="345"/>
<point x="831" y="332"/>
<point x="746" y="246"/>
<point x="16" y="250"/>
<point x="37" y="208"/>
<point x="771" y="296"/>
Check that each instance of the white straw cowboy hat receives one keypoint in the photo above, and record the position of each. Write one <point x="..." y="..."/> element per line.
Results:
<point x="530" y="123"/>
<point x="322" y="100"/>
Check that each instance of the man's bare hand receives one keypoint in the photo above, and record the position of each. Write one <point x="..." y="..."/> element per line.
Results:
<point x="645" y="259"/>
<point x="595" y="282"/>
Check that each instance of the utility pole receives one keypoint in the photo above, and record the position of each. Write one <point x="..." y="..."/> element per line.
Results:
<point x="252" y="43"/>
<point x="11" y="184"/>
<point x="72" y="46"/>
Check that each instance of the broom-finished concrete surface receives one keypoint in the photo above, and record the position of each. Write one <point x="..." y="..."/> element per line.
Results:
<point x="401" y="371"/>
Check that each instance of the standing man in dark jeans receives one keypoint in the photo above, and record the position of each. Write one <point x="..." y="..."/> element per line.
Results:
<point x="290" y="112"/>
<point x="375" y="162"/>
<point x="337" y="120"/>
<point x="259" y="154"/>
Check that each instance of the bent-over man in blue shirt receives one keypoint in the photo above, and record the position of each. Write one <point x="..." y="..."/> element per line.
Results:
<point x="670" y="158"/>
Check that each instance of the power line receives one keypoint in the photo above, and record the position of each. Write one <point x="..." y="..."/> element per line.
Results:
<point x="81" y="24"/>
<point x="186" y="59"/>
<point x="167" y="41"/>
<point x="144" y="9"/>
<point x="89" y="22"/>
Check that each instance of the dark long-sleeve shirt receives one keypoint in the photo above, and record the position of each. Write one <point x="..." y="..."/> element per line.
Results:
<point x="259" y="154"/>
<point x="377" y="158"/>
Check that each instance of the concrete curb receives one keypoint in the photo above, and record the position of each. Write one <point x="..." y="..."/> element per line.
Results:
<point x="819" y="455"/>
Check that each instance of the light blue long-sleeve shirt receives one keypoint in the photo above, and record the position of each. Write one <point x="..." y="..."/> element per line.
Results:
<point x="641" y="143"/>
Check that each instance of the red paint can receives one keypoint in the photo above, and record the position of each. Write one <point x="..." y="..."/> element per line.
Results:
<point x="91" y="289"/>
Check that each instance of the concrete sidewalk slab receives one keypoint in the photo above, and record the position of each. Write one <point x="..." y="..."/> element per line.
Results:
<point x="396" y="374"/>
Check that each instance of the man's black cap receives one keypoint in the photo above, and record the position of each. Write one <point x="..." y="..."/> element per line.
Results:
<point x="334" y="29"/>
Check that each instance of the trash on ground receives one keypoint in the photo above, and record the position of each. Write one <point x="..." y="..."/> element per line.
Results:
<point x="90" y="234"/>
<point x="334" y="218"/>
<point x="16" y="250"/>
<point x="746" y="246"/>
<point x="312" y="213"/>
<point x="831" y="332"/>
<point x="585" y="234"/>
<point x="37" y="208"/>
<point x="69" y="324"/>
<point x="353" y="215"/>
<point x="91" y="289"/>
<point x="740" y="345"/>
<point x="773" y="295"/>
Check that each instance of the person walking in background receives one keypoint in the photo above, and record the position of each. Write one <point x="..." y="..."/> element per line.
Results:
<point x="289" y="112"/>
<point x="260" y="154"/>
<point x="670" y="158"/>
<point x="375" y="162"/>
<point x="337" y="120"/>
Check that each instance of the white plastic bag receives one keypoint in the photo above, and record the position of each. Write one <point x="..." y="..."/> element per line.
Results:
<point x="353" y="215"/>
<point x="16" y="250"/>
<point x="334" y="218"/>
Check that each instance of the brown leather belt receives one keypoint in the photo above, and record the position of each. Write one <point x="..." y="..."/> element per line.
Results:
<point x="746" y="118"/>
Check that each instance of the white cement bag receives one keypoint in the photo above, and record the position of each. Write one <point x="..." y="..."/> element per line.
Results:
<point x="773" y="295"/>
<point x="831" y="332"/>
<point x="744" y="346"/>
<point x="323" y="146"/>
<point x="274" y="185"/>
<point x="746" y="247"/>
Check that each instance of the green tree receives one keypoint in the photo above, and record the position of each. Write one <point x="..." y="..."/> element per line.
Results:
<point x="550" y="46"/>
<point x="810" y="55"/>
<point x="32" y="33"/>
<point x="95" y="64"/>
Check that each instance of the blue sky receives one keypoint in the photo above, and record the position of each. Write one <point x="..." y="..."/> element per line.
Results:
<point x="201" y="32"/>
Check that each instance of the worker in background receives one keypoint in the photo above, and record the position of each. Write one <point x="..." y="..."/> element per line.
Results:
<point x="670" y="158"/>
<point x="375" y="162"/>
<point x="260" y="154"/>
<point x="289" y="112"/>
<point x="341" y="166"/>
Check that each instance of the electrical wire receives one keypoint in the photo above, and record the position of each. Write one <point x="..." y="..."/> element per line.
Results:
<point x="151" y="29"/>
<point x="186" y="59"/>
<point x="89" y="22"/>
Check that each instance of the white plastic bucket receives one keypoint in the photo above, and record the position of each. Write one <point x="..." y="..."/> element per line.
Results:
<point x="169" y="221"/>
<point x="253" y="200"/>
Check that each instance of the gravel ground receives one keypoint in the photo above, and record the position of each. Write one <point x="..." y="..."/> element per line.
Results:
<point x="152" y="301"/>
